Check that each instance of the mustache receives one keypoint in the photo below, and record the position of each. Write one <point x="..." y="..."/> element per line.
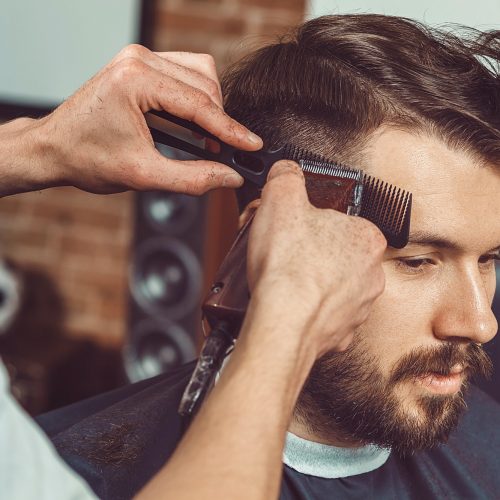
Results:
<point x="440" y="359"/>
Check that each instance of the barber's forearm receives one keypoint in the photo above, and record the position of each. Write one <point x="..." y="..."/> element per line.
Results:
<point x="236" y="441"/>
<point x="26" y="157"/>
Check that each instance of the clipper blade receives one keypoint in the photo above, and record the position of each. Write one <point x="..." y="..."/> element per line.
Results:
<point x="387" y="206"/>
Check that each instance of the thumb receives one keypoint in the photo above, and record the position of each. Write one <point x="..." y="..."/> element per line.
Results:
<point x="285" y="182"/>
<point x="194" y="177"/>
<point x="284" y="167"/>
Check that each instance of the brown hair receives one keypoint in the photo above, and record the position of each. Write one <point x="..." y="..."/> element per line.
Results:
<point x="336" y="79"/>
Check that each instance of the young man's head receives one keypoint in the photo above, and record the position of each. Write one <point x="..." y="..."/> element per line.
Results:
<point x="419" y="109"/>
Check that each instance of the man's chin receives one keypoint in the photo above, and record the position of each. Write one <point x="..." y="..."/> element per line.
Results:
<point x="425" y="422"/>
<point x="415" y="419"/>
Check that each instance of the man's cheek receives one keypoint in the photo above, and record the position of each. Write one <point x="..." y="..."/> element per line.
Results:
<point x="400" y="321"/>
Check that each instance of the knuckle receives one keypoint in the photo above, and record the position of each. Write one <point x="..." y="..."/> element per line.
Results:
<point x="287" y="168"/>
<point x="377" y="238"/>
<point x="199" y="184"/>
<point x="212" y="89"/>
<point x="374" y="237"/>
<point x="198" y="187"/>
<point x="127" y="69"/>
<point x="139" y="176"/>
<point x="344" y="343"/>
<point x="208" y="61"/>
<point x="137" y="179"/>
<point x="203" y="100"/>
<point x="133" y="50"/>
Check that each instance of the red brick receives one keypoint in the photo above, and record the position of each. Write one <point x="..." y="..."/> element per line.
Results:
<point x="68" y="216"/>
<point x="76" y="244"/>
<point x="288" y="5"/>
<point x="275" y="27"/>
<point x="211" y="24"/>
<point x="80" y="240"/>
<point x="33" y="238"/>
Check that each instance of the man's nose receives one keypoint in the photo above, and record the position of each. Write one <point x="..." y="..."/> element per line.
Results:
<point x="465" y="312"/>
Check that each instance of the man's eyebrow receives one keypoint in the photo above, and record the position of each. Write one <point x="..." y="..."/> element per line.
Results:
<point x="435" y="240"/>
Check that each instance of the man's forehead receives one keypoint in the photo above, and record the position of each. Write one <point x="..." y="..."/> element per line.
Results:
<point x="455" y="196"/>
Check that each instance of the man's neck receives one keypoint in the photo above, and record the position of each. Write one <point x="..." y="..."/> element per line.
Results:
<point x="301" y="429"/>
<point x="310" y="453"/>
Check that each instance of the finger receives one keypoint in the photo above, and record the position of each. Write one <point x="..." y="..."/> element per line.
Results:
<point x="200" y="63"/>
<point x="285" y="167"/>
<point x="248" y="212"/>
<point x="212" y="146"/>
<point x="203" y="63"/>
<point x="188" y="177"/>
<point x="286" y="183"/>
<point x="195" y="105"/>
<point x="189" y="73"/>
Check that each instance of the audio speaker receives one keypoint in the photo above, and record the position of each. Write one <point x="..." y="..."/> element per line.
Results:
<point x="165" y="280"/>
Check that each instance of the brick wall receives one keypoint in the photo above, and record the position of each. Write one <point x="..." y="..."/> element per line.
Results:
<point x="80" y="242"/>
<point x="223" y="28"/>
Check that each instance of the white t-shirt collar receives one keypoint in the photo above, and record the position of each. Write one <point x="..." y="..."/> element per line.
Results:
<point x="330" y="462"/>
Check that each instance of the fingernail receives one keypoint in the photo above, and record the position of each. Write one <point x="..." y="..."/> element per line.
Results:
<point x="233" y="180"/>
<point x="254" y="138"/>
<point x="282" y="167"/>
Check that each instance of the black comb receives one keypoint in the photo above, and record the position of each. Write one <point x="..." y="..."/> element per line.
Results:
<point x="252" y="165"/>
<point x="387" y="206"/>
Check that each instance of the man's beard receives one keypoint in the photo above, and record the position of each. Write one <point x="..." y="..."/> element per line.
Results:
<point x="346" y="397"/>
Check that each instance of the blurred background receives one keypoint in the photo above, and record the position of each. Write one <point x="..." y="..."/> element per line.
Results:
<point x="96" y="291"/>
<point x="106" y="289"/>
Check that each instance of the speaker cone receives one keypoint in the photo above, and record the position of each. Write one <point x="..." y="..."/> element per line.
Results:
<point x="166" y="277"/>
<point x="169" y="212"/>
<point x="156" y="348"/>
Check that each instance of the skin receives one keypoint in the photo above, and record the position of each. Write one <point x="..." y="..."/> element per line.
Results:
<point x="292" y="319"/>
<point x="98" y="141"/>
<point x="435" y="291"/>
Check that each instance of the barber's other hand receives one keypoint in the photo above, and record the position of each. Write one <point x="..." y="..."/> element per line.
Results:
<point x="99" y="140"/>
<point x="317" y="268"/>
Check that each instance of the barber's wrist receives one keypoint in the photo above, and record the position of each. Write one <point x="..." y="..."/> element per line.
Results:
<point x="28" y="157"/>
<point x="280" y="325"/>
<point x="291" y="308"/>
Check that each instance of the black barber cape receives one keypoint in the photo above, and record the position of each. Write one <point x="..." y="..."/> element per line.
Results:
<point x="119" y="440"/>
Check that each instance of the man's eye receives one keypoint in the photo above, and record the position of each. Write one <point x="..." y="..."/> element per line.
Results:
<point x="489" y="260"/>
<point x="413" y="265"/>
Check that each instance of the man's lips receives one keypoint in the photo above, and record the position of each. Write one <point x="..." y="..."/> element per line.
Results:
<point x="442" y="384"/>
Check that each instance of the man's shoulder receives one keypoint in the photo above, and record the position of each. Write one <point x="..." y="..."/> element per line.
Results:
<point x="478" y="433"/>
<point x="57" y="421"/>
<point x="469" y="462"/>
<point x="120" y="439"/>
<point x="465" y="467"/>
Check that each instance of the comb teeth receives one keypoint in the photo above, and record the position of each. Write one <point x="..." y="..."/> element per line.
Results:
<point x="389" y="208"/>
<point x="331" y="169"/>
<point x="317" y="164"/>
<point x="291" y="152"/>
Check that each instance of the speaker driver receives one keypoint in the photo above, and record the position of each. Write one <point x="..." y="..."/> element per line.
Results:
<point x="155" y="348"/>
<point x="169" y="212"/>
<point x="166" y="277"/>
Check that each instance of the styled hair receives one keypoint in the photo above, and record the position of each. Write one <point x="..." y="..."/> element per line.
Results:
<point x="336" y="79"/>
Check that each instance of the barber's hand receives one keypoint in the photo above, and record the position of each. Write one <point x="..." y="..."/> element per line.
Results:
<point x="313" y="267"/>
<point x="99" y="139"/>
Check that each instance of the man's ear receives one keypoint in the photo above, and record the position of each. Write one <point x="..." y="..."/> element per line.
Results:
<point x="247" y="212"/>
